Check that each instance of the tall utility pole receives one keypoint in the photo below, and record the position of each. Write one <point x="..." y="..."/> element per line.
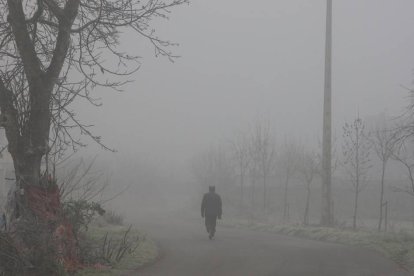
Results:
<point x="327" y="210"/>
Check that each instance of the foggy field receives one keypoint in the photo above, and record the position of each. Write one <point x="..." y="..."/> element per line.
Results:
<point x="289" y="124"/>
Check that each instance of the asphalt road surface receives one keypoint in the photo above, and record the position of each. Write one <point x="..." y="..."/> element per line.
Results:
<point x="186" y="250"/>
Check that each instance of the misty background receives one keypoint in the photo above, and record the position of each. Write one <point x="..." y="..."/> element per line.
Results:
<point x="243" y="62"/>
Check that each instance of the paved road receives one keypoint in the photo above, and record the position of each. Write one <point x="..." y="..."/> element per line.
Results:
<point x="186" y="250"/>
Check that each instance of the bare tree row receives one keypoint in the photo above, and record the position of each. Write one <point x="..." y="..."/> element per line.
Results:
<point x="252" y="163"/>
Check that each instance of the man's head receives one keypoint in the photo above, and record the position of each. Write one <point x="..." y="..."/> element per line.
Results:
<point x="211" y="189"/>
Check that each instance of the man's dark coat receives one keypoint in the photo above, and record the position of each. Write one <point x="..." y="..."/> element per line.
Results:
<point x="211" y="205"/>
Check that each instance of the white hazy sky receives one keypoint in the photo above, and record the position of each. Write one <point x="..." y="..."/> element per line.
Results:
<point x="244" y="60"/>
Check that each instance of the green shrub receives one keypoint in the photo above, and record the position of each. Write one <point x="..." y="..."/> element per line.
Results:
<point x="80" y="214"/>
<point x="114" y="250"/>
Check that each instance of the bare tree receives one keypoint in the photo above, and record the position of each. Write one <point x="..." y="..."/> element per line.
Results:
<point x="403" y="142"/>
<point x="384" y="144"/>
<point x="356" y="150"/>
<point x="405" y="126"/>
<point x="53" y="52"/>
<point x="241" y="159"/>
<point x="262" y="154"/>
<point x="288" y="163"/>
<point x="42" y="44"/>
<point x="404" y="155"/>
<point x="212" y="167"/>
<point x="309" y="167"/>
<point x="253" y="176"/>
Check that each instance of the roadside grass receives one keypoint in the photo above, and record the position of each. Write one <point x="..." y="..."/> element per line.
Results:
<point x="145" y="253"/>
<point x="398" y="246"/>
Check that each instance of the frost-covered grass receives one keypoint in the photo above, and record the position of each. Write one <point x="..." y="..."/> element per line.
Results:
<point x="146" y="252"/>
<point x="398" y="246"/>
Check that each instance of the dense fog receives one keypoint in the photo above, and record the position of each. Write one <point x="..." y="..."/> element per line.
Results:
<point x="242" y="65"/>
<point x="238" y="104"/>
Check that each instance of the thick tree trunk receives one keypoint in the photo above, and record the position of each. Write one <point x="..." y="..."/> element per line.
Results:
<point x="27" y="173"/>
<point x="33" y="209"/>
<point x="27" y="166"/>
<point x="28" y="169"/>
<point x="28" y="149"/>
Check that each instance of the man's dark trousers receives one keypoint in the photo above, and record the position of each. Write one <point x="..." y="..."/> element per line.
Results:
<point x="211" y="222"/>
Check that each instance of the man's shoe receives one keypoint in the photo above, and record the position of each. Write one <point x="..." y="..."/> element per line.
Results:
<point x="210" y="236"/>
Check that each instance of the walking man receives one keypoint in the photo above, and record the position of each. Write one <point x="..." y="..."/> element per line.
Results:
<point x="211" y="210"/>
